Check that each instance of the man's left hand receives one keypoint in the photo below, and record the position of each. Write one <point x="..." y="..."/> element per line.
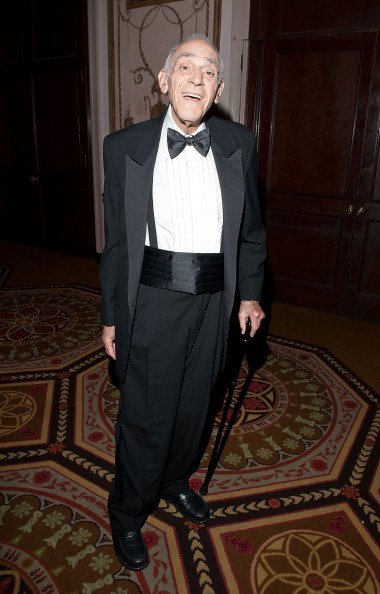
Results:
<point x="250" y="311"/>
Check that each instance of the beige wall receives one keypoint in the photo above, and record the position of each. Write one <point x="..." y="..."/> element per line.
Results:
<point x="127" y="49"/>
<point x="139" y="39"/>
<point x="99" y="103"/>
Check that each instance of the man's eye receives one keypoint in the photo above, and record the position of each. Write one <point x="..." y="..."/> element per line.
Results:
<point x="184" y="67"/>
<point x="210" y="73"/>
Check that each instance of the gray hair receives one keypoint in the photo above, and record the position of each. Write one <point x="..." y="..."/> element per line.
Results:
<point x="168" y="67"/>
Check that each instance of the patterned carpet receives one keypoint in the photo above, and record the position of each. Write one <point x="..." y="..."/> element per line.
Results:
<point x="294" y="500"/>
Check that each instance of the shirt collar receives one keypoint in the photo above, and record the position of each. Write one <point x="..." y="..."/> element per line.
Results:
<point x="170" y="123"/>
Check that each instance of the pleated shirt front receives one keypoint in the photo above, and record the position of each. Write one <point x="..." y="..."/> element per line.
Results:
<point x="187" y="200"/>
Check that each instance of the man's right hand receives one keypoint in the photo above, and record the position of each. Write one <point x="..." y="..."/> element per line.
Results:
<point x="108" y="338"/>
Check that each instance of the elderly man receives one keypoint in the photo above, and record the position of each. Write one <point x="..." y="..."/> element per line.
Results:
<point x="183" y="233"/>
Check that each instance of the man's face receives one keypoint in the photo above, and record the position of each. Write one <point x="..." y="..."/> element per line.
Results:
<point x="192" y="84"/>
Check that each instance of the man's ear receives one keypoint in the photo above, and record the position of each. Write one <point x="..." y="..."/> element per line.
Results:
<point x="163" y="81"/>
<point x="219" y="91"/>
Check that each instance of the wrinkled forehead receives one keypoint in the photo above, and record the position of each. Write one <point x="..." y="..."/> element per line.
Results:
<point x="197" y="51"/>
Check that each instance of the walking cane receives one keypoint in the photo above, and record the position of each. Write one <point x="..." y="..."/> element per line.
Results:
<point x="221" y="438"/>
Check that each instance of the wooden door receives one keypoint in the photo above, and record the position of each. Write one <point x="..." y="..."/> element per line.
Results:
<point x="363" y="283"/>
<point x="20" y="217"/>
<point x="19" y="193"/>
<point x="45" y="176"/>
<point x="313" y="71"/>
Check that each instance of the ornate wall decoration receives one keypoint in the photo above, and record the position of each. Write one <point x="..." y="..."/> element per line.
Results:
<point x="140" y="36"/>
<point x="144" y="3"/>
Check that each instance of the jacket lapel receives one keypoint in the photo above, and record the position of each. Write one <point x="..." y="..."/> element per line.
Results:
<point x="228" y="161"/>
<point x="139" y="166"/>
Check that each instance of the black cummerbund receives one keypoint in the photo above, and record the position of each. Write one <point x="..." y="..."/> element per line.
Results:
<point x="182" y="271"/>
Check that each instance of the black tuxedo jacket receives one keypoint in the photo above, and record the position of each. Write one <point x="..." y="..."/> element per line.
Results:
<point x="129" y="158"/>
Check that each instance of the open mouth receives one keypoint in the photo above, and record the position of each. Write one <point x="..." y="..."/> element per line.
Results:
<point x="192" y="96"/>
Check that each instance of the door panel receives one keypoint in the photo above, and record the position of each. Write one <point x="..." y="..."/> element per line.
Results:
<point x="312" y="119"/>
<point x="363" y="287"/>
<point x="19" y="191"/>
<point x="300" y="235"/>
<point x="60" y="156"/>
<point x="296" y="16"/>
<point x="369" y="280"/>
<point x="56" y="30"/>
<point x="14" y="39"/>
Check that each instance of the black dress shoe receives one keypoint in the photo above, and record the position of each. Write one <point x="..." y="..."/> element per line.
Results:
<point x="191" y="505"/>
<point x="130" y="549"/>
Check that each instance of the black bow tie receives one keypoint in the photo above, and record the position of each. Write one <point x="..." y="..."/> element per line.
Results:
<point x="177" y="142"/>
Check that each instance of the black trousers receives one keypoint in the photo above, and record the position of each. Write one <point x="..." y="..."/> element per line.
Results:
<point x="174" y="359"/>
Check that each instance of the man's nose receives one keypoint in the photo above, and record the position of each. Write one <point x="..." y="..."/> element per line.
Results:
<point x="197" y="76"/>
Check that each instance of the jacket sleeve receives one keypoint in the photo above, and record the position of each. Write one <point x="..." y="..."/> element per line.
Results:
<point x="252" y="253"/>
<point x="108" y="262"/>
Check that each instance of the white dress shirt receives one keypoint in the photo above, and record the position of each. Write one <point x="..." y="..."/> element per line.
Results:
<point x="187" y="200"/>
